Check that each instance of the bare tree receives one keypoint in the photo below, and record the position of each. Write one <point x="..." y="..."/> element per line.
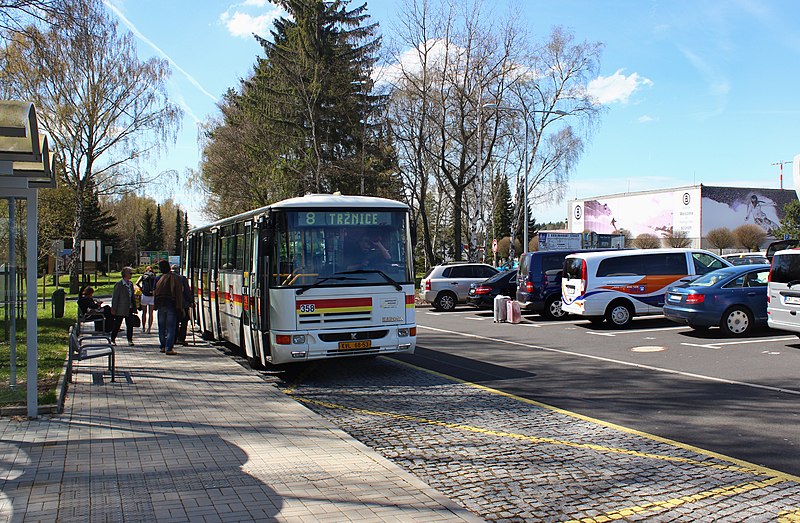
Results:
<point x="678" y="239"/>
<point x="103" y="108"/>
<point x="721" y="238"/>
<point x="647" y="241"/>
<point x="19" y="16"/>
<point x="750" y="236"/>
<point x="461" y="100"/>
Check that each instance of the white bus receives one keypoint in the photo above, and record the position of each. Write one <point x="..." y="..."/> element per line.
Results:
<point x="319" y="276"/>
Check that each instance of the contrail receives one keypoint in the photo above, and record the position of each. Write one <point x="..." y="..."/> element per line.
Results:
<point x="146" y="40"/>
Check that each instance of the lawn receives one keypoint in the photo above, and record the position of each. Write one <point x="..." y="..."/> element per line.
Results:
<point x="53" y="336"/>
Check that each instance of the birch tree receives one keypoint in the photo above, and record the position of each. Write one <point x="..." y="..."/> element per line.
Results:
<point x="104" y="108"/>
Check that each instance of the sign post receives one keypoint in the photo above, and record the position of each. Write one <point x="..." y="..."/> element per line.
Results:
<point x="108" y="249"/>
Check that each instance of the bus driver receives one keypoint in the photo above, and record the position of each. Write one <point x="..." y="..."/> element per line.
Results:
<point x="369" y="254"/>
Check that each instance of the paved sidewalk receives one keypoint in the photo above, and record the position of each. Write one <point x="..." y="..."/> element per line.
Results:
<point x="197" y="437"/>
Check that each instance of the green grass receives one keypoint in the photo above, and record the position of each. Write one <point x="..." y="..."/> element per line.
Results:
<point x="53" y="334"/>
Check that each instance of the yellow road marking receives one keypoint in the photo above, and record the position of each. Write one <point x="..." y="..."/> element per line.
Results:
<point x="744" y="465"/>
<point x="530" y="439"/>
<point x="731" y="490"/>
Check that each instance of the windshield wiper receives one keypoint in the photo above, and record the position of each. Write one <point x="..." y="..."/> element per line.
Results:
<point x="317" y="283"/>
<point x="383" y="274"/>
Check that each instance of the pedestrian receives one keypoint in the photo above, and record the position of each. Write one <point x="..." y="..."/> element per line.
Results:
<point x="188" y="301"/>
<point x="147" y="284"/>
<point x="168" y="303"/>
<point x="123" y="307"/>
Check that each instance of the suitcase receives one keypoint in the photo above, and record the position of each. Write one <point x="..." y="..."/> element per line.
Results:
<point x="500" y="308"/>
<point x="513" y="313"/>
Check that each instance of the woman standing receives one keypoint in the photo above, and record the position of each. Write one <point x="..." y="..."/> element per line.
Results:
<point x="147" y="284"/>
<point x="122" y="305"/>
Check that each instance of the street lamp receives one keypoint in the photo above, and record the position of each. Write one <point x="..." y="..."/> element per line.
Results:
<point x="524" y="114"/>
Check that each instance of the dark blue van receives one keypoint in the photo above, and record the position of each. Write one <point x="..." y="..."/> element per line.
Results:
<point x="539" y="282"/>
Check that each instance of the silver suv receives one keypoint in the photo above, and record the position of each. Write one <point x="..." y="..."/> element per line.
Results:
<point x="444" y="286"/>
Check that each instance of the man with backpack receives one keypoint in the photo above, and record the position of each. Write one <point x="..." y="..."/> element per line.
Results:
<point x="147" y="284"/>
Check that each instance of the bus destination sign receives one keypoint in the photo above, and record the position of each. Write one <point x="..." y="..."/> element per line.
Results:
<point x="344" y="218"/>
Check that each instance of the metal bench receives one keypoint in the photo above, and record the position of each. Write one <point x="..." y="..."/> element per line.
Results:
<point x="89" y="346"/>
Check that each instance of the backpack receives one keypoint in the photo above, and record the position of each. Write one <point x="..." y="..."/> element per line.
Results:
<point x="148" y="283"/>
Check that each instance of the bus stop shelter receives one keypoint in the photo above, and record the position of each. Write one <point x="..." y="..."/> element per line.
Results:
<point x="26" y="165"/>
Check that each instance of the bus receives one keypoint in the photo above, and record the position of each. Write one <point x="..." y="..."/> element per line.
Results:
<point x="308" y="278"/>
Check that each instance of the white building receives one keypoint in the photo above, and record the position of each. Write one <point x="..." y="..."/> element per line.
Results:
<point x="694" y="210"/>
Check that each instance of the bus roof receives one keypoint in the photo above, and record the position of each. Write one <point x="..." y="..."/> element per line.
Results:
<point x="311" y="201"/>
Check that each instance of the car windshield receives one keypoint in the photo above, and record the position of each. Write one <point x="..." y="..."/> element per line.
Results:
<point x="707" y="280"/>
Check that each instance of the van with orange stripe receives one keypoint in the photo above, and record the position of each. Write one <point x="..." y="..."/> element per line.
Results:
<point x="618" y="285"/>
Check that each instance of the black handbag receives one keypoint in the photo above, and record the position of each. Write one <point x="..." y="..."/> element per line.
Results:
<point x="135" y="320"/>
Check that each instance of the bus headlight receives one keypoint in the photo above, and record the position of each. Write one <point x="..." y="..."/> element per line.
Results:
<point x="298" y="339"/>
<point x="403" y="333"/>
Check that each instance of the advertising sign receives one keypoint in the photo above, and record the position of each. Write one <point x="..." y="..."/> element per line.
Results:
<point x="660" y="213"/>
<point x="734" y="206"/>
<point x="152" y="257"/>
<point x="551" y="241"/>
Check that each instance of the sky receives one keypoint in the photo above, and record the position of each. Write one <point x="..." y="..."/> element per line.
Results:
<point x="694" y="91"/>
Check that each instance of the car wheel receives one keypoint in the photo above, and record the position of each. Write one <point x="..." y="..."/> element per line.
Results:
<point x="737" y="321"/>
<point x="552" y="308"/>
<point x="445" y="301"/>
<point x="619" y="314"/>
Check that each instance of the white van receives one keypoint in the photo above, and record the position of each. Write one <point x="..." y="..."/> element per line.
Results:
<point x="783" y="295"/>
<point x="618" y="285"/>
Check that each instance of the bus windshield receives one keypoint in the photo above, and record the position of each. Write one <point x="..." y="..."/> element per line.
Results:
<point x="337" y="247"/>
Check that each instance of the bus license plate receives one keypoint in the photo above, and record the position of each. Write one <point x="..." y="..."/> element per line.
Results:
<point x="350" y="345"/>
<point x="793" y="300"/>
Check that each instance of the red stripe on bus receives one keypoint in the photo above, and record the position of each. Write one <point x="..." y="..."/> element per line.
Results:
<point x="336" y="303"/>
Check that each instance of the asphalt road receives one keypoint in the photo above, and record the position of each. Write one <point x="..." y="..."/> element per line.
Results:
<point x="737" y="397"/>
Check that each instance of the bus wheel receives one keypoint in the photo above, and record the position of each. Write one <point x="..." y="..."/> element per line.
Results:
<point x="619" y="314"/>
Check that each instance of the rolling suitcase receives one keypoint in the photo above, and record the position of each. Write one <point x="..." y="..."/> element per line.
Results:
<point x="513" y="313"/>
<point x="500" y="308"/>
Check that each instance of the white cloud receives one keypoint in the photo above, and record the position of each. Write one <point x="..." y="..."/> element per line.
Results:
<point x="646" y="118"/>
<point x="617" y="87"/>
<point x="248" y="17"/>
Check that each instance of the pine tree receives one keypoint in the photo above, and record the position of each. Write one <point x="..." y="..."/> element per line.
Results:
<point x="313" y="88"/>
<point x="178" y="233"/>
<point x="158" y="233"/>
<point x="504" y="209"/>
<point x="147" y="239"/>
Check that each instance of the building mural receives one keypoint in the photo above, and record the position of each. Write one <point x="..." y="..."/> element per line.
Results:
<point x="734" y="206"/>
<point x="694" y="210"/>
<point x="653" y="212"/>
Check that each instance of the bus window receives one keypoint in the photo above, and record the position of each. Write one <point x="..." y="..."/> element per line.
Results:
<point x="318" y="247"/>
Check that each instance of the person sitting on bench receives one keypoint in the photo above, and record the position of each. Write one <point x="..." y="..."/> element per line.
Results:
<point x="92" y="309"/>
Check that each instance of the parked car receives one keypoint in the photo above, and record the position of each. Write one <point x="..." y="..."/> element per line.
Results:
<point x="733" y="298"/>
<point x="616" y="285"/>
<point x="783" y="301"/>
<point x="445" y="286"/>
<point x="746" y="258"/>
<point x="482" y="294"/>
<point x="539" y="282"/>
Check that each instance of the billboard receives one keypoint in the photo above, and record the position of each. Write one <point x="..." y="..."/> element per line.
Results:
<point x="660" y="213"/>
<point x="551" y="241"/>
<point x="734" y="206"/>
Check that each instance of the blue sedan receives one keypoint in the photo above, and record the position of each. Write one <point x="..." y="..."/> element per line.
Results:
<point x="734" y="298"/>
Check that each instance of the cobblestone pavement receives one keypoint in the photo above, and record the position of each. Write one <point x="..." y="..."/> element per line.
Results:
<point x="509" y="459"/>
